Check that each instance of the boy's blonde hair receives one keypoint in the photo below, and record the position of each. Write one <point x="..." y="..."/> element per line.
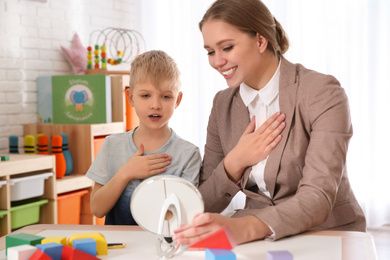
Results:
<point x="156" y="66"/>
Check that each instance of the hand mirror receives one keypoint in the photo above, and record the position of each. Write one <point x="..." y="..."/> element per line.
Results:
<point x="160" y="204"/>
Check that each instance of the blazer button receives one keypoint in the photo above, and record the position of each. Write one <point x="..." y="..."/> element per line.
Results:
<point x="228" y="194"/>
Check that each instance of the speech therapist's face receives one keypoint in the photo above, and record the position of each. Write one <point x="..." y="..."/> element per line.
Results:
<point x="231" y="52"/>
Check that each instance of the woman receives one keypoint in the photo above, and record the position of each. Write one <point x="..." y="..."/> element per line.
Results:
<point x="303" y="184"/>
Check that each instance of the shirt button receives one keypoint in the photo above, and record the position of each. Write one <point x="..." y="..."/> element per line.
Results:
<point x="228" y="194"/>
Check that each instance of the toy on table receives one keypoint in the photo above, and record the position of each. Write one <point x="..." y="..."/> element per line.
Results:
<point x="40" y="255"/>
<point x="59" y="240"/>
<point x="82" y="246"/>
<point x="101" y="243"/>
<point x="56" y="149"/>
<point x="29" y="144"/>
<point x="20" y="252"/>
<point x="53" y="250"/>
<point x="87" y="245"/>
<point x="113" y="46"/>
<point x="279" y="255"/>
<point x="13" y="144"/>
<point x="220" y="254"/>
<point x="22" y="239"/>
<point x="67" y="155"/>
<point x="42" y="144"/>
<point x="161" y="204"/>
<point x="70" y="253"/>
<point x="62" y="252"/>
<point x="222" y="239"/>
<point x="4" y="158"/>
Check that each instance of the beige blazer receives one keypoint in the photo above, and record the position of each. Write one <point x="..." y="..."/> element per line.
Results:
<point x="305" y="174"/>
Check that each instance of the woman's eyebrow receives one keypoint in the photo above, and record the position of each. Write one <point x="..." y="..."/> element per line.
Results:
<point x="219" y="42"/>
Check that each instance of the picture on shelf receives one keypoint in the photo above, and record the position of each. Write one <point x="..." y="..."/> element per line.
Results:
<point x="76" y="99"/>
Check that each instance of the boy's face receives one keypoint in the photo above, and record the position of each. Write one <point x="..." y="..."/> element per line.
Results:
<point x="154" y="105"/>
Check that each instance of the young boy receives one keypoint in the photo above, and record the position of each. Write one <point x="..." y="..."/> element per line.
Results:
<point x="152" y="148"/>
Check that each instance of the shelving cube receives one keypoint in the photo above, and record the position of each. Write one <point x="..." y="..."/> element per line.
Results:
<point x="22" y="165"/>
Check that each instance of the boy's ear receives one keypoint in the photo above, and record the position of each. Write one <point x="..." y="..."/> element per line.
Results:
<point x="178" y="100"/>
<point x="129" y="96"/>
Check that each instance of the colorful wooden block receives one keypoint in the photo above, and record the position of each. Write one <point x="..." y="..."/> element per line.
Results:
<point x="101" y="243"/>
<point x="5" y="158"/>
<point x="279" y="255"/>
<point x="69" y="253"/>
<point x="220" y="254"/>
<point x="39" y="255"/>
<point x="22" y="239"/>
<point x="54" y="250"/>
<point x="59" y="240"/>
<point x="80" y="255"/>
<point x="87" y="245"/>
<point x="22" y="252"/>
<point x="222" y="239"/>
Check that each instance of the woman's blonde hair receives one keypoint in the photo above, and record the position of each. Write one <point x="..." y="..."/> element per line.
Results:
<point x="252" y="17"/>
<point x="155" y="66"/>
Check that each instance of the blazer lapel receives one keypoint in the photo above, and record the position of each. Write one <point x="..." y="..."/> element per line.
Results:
<point x="241" y="120"/>
<point x="287" y="99"/>
<point x="240" y="117"/>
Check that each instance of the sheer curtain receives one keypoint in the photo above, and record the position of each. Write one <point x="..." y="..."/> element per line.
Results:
<point x="349" y="39"/>
<point x="172" y="26"/>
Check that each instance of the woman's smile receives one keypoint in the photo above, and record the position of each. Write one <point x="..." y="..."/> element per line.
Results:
<point x="229" y="72"/>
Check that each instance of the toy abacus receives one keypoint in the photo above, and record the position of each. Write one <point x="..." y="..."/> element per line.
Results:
<point x="122" y="46"/>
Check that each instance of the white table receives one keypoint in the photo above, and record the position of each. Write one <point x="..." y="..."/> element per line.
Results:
<point x="310" y="245"/>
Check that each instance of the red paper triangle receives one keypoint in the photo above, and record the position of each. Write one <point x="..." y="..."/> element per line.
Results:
<point x="222" y="239"/>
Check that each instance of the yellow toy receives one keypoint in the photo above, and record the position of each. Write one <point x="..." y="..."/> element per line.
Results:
<point x="59" y="240"/>
<point x="101" y="243"/>
<point x="29" y="144"/>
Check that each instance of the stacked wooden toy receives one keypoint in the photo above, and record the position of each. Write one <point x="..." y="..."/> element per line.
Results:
<point x="59" y="148"/>
<point x="82" y="246"/>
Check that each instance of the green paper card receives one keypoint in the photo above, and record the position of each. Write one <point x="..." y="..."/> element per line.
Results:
<point x="81" y="99"/>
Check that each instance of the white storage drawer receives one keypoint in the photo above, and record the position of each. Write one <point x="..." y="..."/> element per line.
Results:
<point x="3" y="183"/>
<point x="28" y="187"/>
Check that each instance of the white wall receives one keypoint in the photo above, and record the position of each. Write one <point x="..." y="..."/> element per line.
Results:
<point x="31" y="33"/>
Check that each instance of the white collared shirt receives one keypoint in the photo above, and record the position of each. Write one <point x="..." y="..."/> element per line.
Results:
<point x="262" y="104"/>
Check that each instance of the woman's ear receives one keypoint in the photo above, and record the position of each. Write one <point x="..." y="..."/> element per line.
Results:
<point x="178" y="99"/>
<point x="262" y="43"/>
<point x="129" y="96"/>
